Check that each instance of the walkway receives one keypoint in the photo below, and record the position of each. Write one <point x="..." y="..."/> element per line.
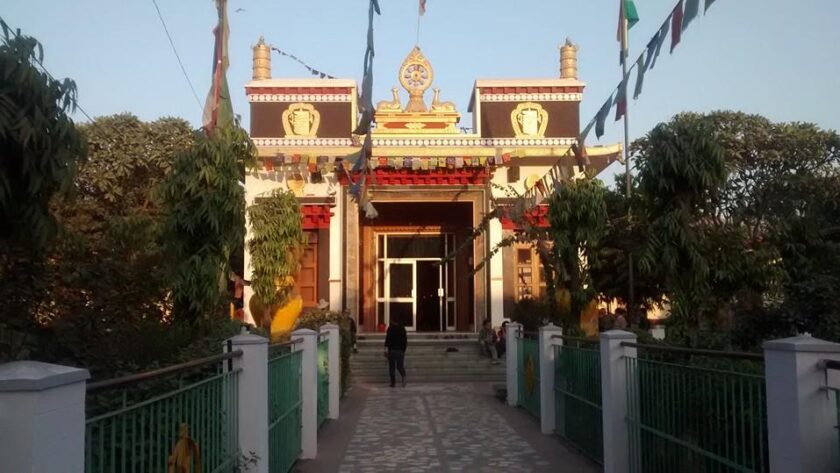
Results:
<point x="437" y="428"/>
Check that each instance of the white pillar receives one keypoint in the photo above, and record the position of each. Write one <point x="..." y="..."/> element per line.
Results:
<point x="546" y="347"/>
<point x="253" y="395"/>
<point x="511" y="360"/>
<point x="334" y="370"/>
<point x="614" y="399"/>
<point x="309" y="390"/>
<point x="801" y="415"/>
<point x="497" y="286"/>
<point x="42" y="418"/>
<point x="336" y="251"/>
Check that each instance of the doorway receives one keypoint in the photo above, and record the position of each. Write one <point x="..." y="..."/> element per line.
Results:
<point x="415" y="282"/>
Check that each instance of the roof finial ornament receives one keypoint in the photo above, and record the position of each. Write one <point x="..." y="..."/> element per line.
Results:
<point x="568" y="60"/>
<point x="261" y="68"/>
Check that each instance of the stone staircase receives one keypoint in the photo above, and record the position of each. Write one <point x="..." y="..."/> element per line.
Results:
<point x="431" y="357"/>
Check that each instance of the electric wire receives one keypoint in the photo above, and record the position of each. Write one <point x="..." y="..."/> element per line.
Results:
<point x="177" y="56"/>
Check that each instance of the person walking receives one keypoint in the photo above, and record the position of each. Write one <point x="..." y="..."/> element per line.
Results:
<point x="396" y="341"/>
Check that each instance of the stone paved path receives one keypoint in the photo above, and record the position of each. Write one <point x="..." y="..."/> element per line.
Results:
<point x="438" y="428"/>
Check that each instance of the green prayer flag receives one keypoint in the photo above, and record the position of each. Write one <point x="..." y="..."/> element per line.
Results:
<point x="630" y="13"/>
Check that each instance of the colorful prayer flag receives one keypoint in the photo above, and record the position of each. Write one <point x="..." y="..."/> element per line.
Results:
<point x="587" y="129"/>
<point x="655" y="45"/>
<point x="708" y="4"/>
<point x="621" y="99"/>
<point x="218" y="110"/>
<point x="601" y="117"/>
<point x="627" y="17"/>
<point x="676" y="25"/>
<point x="692" y="7"/>
<point x="640" y="76"/>
<point x="422" y="10"/>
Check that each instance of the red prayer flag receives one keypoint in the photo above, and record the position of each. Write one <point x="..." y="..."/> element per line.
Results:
<point x="676" y="25"/>
<point x="422" y="7"/>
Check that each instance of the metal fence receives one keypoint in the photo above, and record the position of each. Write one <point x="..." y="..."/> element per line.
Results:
<point x="529" y="375"/>
<point x="577" y="386"/>
<point x="829" y="365"/>
<point x="695" y="413"/>
<point x="323" y="380"/>
<point x="180" y="418"/>
<point x="284" y="406"/>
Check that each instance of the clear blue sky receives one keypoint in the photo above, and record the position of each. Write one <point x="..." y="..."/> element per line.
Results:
<point x="777" y="58"/>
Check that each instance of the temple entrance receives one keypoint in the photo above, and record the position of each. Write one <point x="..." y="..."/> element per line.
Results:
<point x="417" y="287"/>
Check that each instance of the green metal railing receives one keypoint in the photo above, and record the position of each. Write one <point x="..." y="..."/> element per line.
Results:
<point x="528" y="375"/>
<point x="696" y="414"/>
<point x="577" y="386"/>
<point x="284" y="407"/>
<point x="323" y="380"/>
<point x="165" y="419"/>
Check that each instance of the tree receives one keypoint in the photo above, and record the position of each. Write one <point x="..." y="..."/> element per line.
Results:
<point x="39" y="142"/>
<point x="578" y="217"/>
<point x="275" y="246"/>
<point x="205" y="218"/>
<point x="39" y="149"/>
<point x="681" y="172"/>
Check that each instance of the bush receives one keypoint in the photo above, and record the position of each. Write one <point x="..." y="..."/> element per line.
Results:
<point x="315" y="318"/>
<point x="531" y="313"/>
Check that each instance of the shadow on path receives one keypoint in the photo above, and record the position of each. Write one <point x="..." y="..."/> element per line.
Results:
<point x="437" y="428"/>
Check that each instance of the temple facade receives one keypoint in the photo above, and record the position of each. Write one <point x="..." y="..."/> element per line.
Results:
<point x="381" y="255"/>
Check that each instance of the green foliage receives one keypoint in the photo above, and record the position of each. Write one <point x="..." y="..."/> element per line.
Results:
<point x="681" y="172"/>
<point x="578" y="217"/>
<point x="313" y="319"/>
<point x="39" y="143"/>
<point x="532" y="314"/>
<point x="276" y="242"/>
<point x="205" y="217"/>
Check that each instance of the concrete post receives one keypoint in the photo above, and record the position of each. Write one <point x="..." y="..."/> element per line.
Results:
<point x="801" y="415"/>
<point x="497" y="297"/>
<point x="547" y="404"/>
<point x="253" y="395"/>
<point x="309" y="388"/>
<point x="614" y="399"/>
<point x="511" y="361"/>
<point x="42" y="418"/>
<point x="337" y="253"/>
<point x="334" y="370"/>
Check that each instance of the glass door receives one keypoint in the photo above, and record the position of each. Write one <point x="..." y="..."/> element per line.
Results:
<point x="401" y="302"/>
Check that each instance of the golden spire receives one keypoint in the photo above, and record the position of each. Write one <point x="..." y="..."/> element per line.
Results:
<point x="262" y="60"/>
<point x="568" y="60"/>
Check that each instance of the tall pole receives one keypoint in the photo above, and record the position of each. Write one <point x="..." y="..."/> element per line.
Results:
<point x="627" y="176"/>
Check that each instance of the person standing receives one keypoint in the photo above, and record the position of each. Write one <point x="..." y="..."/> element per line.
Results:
<point x="396" y="341"/>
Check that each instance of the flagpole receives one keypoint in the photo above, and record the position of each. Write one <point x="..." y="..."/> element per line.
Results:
<point x="627" y="176"/>
<point x="417" y="43"/>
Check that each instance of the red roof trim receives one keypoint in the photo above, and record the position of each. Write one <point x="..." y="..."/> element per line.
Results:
<point x="432" y="177"/>
<point x="298" y="90"/>
<point x="315" y="216"/>
<point x="531" y="90"/>
<point x="538" y="217"/>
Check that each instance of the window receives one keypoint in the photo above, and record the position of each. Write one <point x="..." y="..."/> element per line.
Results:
<point x="530" y="278"/>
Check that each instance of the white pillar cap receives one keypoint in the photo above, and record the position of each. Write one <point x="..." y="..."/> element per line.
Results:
<point x="38" y="376"/>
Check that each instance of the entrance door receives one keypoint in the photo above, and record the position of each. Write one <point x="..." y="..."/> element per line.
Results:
<point x="429" y="296"/>
<point x="399" y="279"/>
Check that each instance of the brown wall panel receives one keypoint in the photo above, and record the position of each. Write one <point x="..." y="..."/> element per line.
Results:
<point x="563" y="119"/>
<point x="267" y="119"/>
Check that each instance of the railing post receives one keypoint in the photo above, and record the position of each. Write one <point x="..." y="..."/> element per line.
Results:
<point x="252" y="396"/>
<point x="42" y="417"/>
<point x="511" y="362"/>
<point x="547" y="404"/>
<point x="309" y="390"/>
<point x="334" y="370"/>
<point x="614" y="399"/>
<point x="801" y="415"/>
